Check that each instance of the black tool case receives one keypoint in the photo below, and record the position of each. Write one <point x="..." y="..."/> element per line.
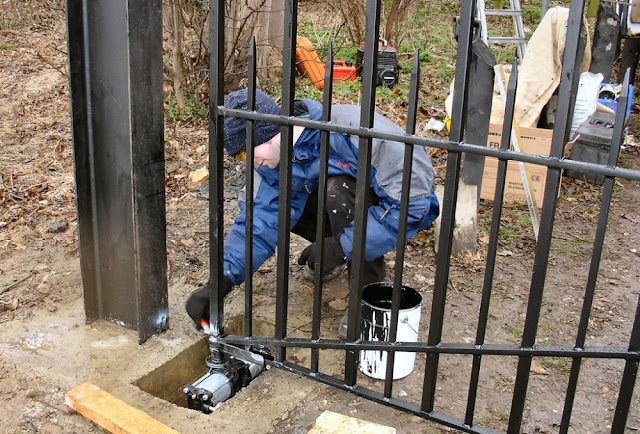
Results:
<point x="592" y="145"/>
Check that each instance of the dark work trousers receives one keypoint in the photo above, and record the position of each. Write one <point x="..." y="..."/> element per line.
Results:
<point x="341" y="206"/>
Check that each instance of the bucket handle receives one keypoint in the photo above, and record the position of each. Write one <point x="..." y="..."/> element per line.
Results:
<point x="405" y="320"/>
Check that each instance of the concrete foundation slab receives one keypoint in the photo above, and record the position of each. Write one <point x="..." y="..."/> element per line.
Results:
<point x="60" y="349"/>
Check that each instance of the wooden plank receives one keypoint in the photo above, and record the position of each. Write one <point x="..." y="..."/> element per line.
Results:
<point x="330" y="422"/>
<point x="110" y="413"/>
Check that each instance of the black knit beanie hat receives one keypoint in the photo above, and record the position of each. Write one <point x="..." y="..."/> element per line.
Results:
<point x="235" y="129"/>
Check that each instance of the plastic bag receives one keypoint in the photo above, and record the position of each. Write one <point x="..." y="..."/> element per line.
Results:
<point x="586" y="99"/>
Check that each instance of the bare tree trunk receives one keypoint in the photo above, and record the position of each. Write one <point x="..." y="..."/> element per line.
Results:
<point x="260" y="18"/>
<point x="185" y="23"/>
<point x="353" y="15"/>
<point x="175" y="36"/>
<point x="397" y="13"/>
<point x="178" y="53"/>
<point x="270" y="38"/>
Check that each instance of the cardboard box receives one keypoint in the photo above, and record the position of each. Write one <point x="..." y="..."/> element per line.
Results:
<point x="532" y="141"/>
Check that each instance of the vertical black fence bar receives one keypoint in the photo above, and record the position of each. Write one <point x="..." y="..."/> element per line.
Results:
<point x="286" y="151"/>
<point x="216" y="158"/>
<point x="631" y="366"/>
<point x="404" y="216"/>
<point x="493" y="242"/>
<point x="544" y="8"/>
<point x="566" y="102"/>
<point x="628" y="378"/>
<point x="369" y="64"/>
<point x="458" y="117"/>
<point x="594" y="267"/>
<point x="249" y="176"/>
<point x="322" y="200"/>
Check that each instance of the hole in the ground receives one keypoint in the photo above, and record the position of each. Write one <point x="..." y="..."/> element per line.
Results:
<point x="168" y="380"/>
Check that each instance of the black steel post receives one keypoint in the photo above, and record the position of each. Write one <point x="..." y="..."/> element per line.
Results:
<point x="407" y="169"/>
<point x="572" y="59"/>
<point x="478" y="110"/>
<point x="458" y="115"/>
<point x="630" y="375"/>
<point x="370" y="62"/>
<point x="115" y="65"/>
<point x="629" y="58"/>
<point x="606" y="40"/>
<point x="322" y="201"/>
<point x="249" y="179"/>
<point x="216" y="158"/>
<point x="594" y="267"/>
<point x="286" y="150"/>
<point x="544" y="9"/>
<point x="492" y="248"/>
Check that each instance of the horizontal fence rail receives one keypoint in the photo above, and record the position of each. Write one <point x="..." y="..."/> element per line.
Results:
<point x="448" y="145"/>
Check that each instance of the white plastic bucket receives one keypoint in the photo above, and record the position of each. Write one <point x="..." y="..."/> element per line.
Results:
<point x="375" y="325"/>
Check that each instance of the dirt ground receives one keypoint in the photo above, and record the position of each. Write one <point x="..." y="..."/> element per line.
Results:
<point x="40" y="274"/>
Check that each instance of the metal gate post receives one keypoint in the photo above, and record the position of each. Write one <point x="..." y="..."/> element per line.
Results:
<point x="572" y="59"/>
<point x="478" y="110"/>
<point x="606" y="40"/>
<point x="115" y="65"/>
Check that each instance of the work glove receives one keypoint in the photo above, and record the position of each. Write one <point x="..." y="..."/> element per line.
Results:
<point x="198" y="303"/>
<point x="333" y="262"/>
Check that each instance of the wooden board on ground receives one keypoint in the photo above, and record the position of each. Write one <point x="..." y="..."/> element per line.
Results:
<point x="110" y="413"/>
<point x="330" y="422"/>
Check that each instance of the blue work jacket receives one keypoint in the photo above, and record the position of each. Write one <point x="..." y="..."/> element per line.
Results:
<point x="386" y="181"/>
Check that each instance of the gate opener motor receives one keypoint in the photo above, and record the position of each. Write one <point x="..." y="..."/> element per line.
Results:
<point x="229" y="370"/>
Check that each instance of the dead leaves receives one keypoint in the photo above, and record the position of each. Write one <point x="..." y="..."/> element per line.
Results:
<point x="41" y="292"/>
<point x="633" y="218"/>
<point x="18" y="282"/>
<point x="537" y="369"/>
<point x="10" y="305"/>
<point x="50" y="305"/>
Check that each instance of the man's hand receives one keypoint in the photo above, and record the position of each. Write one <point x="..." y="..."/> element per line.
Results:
<point x="333" y="260"/>
<point x="198" y="303"/>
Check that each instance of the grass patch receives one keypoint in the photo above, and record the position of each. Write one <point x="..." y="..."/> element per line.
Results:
<point x="548" y="326"/>
<point x="470" y="287"/>
<point x="515" y="225"/>
<point x="556" y="364"/>
<point x="504" y="385"/>
<point x="570" y="249"/>
<point x="494" y="419"/>
<point x="193" y="110"/>
<point x="516" y="333"/>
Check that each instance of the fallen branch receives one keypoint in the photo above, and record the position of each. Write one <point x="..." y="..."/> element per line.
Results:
<point x="31" y="274"/>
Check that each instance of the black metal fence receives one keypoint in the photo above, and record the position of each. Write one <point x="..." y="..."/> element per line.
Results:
<point x="434" y="347"/>
<point x="118" y="156"/>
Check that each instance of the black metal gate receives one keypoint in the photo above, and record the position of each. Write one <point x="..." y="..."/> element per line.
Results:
<point x="434" y="347"/>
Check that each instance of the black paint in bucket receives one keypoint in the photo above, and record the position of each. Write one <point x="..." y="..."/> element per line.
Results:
<point x="378" y="296"/>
